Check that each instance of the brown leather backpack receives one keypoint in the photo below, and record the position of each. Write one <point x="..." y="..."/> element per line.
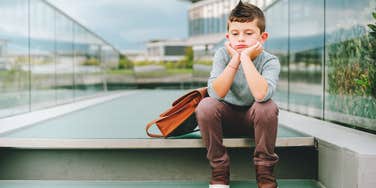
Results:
<point x="179" y="119"/>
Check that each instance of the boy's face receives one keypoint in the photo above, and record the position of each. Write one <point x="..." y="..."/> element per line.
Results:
<point x="243" y="35"/>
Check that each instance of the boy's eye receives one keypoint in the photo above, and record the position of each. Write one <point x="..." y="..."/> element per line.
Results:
<point x="249" y="33"/>
<point x="234" y="34"/>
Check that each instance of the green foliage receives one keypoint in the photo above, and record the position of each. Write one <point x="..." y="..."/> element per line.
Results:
<point x="372" y="54"/>
<point x="203" y="62"/>
<point x="144" y="63"/>
<point x="92" y="61"/>
<point x="353" y="105"/>
<point x="170" y="65"/>
<point x="352" y="65"/>
<point x="125" y="63"/>
<point x="185" y="63"/>
<point x="189" y="55"/>
<point x="349" y="79"/>
<point x="352" y="75"/>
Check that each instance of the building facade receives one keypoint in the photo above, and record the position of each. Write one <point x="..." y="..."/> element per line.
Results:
<point x="166" y="50"/>
<point x="207" y="23"/>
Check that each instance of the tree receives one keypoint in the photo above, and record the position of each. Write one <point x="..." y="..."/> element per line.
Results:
<point x="124" y="62"/>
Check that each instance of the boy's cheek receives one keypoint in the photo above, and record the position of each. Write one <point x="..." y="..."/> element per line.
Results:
<point x="232" y="45"/>
<point x="253" y="42"/>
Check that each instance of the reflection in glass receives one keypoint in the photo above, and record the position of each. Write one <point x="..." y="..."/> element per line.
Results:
<point x="349" y="87"/>
<point x="118" y="69"/>
<point x="277" y="44"/>
<point x="14" y="61"/>
<point x="351" y="67"/>
<point x="88" y="71"/>
<point x="42" y="55"/>
<point x="47" y="58"/>
<point x="64" y="59"/>
<point x="306" y="56"/>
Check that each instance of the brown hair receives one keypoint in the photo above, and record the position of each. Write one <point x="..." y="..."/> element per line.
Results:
<point x="246" y="12"/>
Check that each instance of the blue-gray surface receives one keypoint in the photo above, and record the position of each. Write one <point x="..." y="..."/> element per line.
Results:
<point x="124" y="117"/>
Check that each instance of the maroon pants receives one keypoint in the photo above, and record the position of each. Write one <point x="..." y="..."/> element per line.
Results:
<point x="217" y="119"/>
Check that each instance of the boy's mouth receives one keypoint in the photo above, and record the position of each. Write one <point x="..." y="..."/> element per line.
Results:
<point x="241" y="46"/>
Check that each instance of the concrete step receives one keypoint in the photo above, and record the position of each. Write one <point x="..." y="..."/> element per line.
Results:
<point x="152" y="184"/>
<point x="145" y="164"/>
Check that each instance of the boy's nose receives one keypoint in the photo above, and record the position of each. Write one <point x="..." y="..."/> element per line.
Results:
<point x="241" y="37"/>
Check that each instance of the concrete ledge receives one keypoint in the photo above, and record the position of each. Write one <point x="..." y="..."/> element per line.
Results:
<point x="140" y="143"/>
<point x="347" y="157"/>
<point x="344" y="137"/>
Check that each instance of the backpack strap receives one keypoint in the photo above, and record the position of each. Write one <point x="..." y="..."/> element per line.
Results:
<point x="151" y="124"/>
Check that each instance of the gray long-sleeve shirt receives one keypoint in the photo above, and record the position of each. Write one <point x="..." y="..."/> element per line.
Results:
<point x="239" y="94"/>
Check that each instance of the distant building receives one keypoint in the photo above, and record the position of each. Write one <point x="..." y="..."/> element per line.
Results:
<point x="135" y="55"/>
<point x="166" y="50"/>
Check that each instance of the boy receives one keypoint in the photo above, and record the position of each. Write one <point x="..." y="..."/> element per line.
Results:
<point x="241" y="83"/>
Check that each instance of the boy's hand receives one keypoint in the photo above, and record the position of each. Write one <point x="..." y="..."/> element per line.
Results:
<point x="231" y="51"/>
<point x="251" y="52"/>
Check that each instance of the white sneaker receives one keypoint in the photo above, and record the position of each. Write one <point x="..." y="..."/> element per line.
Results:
<point x="219" y="186"/>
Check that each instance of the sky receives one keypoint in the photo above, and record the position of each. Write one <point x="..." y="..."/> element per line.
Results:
<point x="129" y="24"/>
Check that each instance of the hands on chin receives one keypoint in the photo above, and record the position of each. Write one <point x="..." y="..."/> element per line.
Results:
<point x="231" y="51"/>
<point x="234" y="54"/>
<point x="243" y="54"/>
<point x="251" y="52"/>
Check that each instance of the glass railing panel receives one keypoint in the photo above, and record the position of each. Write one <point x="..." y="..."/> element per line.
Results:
<point x="42" y="55"/>
<point x="306" y="56"/>
<point x="350" y="94"/>
<point x="14" y="57"/>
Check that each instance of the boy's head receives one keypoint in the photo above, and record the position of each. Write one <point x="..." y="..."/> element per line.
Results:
<point x="246" y="26"/>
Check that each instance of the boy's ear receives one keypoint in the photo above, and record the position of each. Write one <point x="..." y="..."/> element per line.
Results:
<point x="227" y="36"/>
<point x="264" y="36"/>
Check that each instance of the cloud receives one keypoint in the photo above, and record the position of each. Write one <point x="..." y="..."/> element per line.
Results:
<point x="10" y="13"/>
<point x="156" y="33"/>
<point x="124" y="23"/>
